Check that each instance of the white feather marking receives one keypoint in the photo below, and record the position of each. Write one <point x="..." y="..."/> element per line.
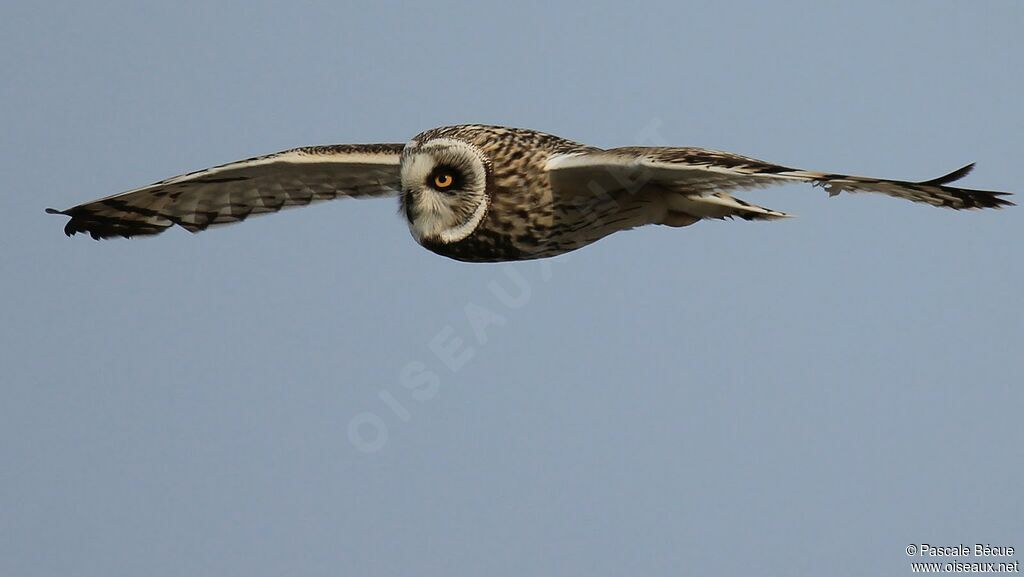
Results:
<point x="465" y="229"/>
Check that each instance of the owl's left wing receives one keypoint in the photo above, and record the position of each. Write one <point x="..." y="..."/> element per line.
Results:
<point x="233" y="192"/>
<point x="699" y="172"/>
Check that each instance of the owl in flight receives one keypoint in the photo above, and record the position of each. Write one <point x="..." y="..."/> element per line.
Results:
<point x="487" y="193"/>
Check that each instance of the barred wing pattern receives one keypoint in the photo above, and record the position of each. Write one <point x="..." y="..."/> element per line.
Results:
<point x="698" y="172"/>
<point x="233" y="192"/>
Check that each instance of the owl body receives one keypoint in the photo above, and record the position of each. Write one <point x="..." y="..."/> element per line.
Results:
<point x="525" y="218"/>
<point x="482" y="193"/>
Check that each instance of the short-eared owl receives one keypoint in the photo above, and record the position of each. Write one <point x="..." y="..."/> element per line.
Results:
<point x="487" y="193"/>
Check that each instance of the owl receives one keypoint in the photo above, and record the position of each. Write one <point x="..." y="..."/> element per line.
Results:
<point x="487" y="193"/>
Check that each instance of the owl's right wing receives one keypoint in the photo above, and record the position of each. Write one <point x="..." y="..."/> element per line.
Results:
<point x="233" y="192"/>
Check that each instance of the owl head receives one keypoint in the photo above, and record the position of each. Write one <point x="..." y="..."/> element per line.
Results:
<point x="444" y="188"/>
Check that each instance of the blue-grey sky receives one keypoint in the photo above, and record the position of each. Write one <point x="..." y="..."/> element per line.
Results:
<point x="802" y="397"/>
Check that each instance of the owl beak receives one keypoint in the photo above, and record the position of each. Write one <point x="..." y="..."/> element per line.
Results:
<point x="409" y="202"/>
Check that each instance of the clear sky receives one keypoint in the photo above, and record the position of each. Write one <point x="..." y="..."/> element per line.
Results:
<point x="803" y="397"/>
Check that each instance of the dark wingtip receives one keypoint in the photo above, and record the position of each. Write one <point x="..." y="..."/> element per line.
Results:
<point x="984" y="198"/>
<point x="999" y="202"/>
<point x="968" y="198"/>
<point x="76" y="225"/>
<point x="953" y="176"/>
<point x="101" y="228"/>
<point x="69" y="230"/>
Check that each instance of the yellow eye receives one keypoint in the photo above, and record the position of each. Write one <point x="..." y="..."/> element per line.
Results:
<point x="444" y="180"/>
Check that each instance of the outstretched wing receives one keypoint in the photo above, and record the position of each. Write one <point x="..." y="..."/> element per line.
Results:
<point x="232" y="192"/>
<point x="696" y="172"/>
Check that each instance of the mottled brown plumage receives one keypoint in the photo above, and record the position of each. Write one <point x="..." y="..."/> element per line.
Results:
<point x="507" y="193"/>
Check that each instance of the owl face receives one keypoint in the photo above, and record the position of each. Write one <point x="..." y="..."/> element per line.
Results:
<point x="444" y="189"/>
